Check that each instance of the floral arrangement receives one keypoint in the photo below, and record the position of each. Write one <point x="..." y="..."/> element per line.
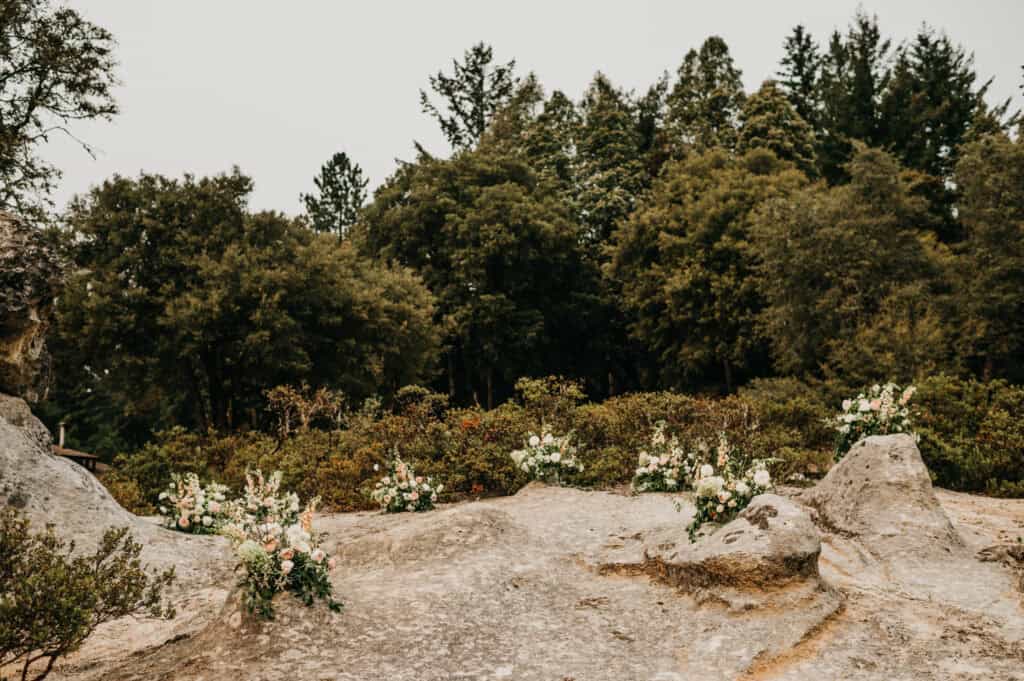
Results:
<point x="663" y="466"/>
<point x="188" y="506"/>
<point x="402" y="490"/>
<point x="720" y="496"/>
<point x="545" y="457"/>
<point x="881" y="410"/>
<point x="262" y="502"/>
<point x="277" y="548"/>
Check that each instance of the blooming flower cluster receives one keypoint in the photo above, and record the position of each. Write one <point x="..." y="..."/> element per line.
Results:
<point x="722" y="489"/>
<point x="402" y="490"/>
<point x="188" y="506"/>
<point x="881" y="410"/>
<point x="277" y="548"/>
<point x="545" y="457"/>
<point x="664" y="466"/>
<point x="262" y="501"/>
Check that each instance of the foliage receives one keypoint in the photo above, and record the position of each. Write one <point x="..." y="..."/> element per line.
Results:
<point x="402" y="490"/>
<point x="471" y="95"/>
<point x="547" y="457"/>
<point x="56" y="69"/>
<point x="185" y="307"/>
<point x="830" y="258"/>
<point x="990" y="301"/>
<point x="770" y="122"/>
<point x="341" y="192"/>
<point x="879" y="410"/>
<point x="277" y="548"/>
<point x="189" y="506"/>
<point x="686" y="268"/>
<point x="297" y="408"/>
<point x="704" y="104"/>
<point x="719" y="498"/>
<point x="52" y="600"/>
<point x="972" y="434"/>
<point x="664" y="466"/>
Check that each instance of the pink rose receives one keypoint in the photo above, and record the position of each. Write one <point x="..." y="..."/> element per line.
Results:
<point x="414" y="496"/>
<point x="214" y="507"/>
<point x="286" y="566"/>
<point x="875" y="404"/>
<point x="318" y="555"/>
<point x="419" y="479"/>
<point x="183" y="522"/>
<point x="287" y="554"/>
<point x="270" y="546"/>
<point x="331" y="563"/>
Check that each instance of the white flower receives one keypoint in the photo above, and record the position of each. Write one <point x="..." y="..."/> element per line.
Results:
<point x="163" y="495"/>
<point x="742" y="488"/>
<point x="709" y="486"/>
<point x="534" y="441"/>
<point x="556" y="457"/>
<point x="847" y="404"/>
<point x="706" y="471"/>
<point x="376" y="467"/>
<point x="517" y="456"/>
<point x="863" y="406"/>
<point x="318" y="555"/>
<point x="286" y="566"/>
<point x="762" y="478"/>
<point x="251" y="552"/>
<point x="207" y="520"/>
<point x="549" y="439"/>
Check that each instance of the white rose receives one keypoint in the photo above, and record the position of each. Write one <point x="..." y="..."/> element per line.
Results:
<point x="534" y="441"/>
<point x="207" y="520"/>
<point x="864" y="405"/>
<point x="847" y="404"/>
<point x="318" y="555"/>
<point x="742" y="488"/>
<point x="706" y="471"/>
<point x="556" y="457"/>
<point x="286" y="566"/>
<point x="762" y="478"/>
<point x="549" y="438"/>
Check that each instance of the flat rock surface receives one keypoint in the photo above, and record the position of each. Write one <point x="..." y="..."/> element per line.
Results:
<point x="513" y="588"/>
<point x="520" y="588"/>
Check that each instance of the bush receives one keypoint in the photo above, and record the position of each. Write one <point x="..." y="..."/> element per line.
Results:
<point x="50" y="601"/>
<point x="972" y="434"/>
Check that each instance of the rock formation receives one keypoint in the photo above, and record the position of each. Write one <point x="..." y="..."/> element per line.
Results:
<point x="30" y="275"/>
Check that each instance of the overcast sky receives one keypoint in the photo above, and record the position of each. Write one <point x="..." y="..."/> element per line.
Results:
<point x="277" y="87"/>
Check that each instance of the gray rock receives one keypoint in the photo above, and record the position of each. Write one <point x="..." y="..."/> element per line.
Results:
<point x="881" y="494"/>
<point x="771" y="544"/>
<point x="30" y="277"/>
<point x="15" y="412"/>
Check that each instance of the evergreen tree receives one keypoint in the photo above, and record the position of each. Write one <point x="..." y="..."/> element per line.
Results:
<point x="56" y="68"/>
<point x="551" y="142"/>
<point x="800" y="72"/>
<point x="704" y="104"/>
<point x="474" y="92"/>
<point x="686" y="270"/>
<point x="928" y="111"/>
<point x="341" y="193"/>
<point x="611" y="170"/>
<point x="854" y="75"/>
<point x="990" y="295"/>
<point x="830" y="258"/>
<point x="770" y="122"/>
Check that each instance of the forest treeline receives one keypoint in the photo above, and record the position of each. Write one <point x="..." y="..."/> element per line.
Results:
<point x="858" y="218"/>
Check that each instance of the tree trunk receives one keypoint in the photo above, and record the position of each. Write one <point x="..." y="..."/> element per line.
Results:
<point x="490" y="388"/>
<point x="728" y="375"/>
<point x="451" y="375"/>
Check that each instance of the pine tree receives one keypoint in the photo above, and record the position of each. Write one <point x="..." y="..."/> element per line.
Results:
<point x="704" y="104"/>
<point x="854" y="75"/>
<point x="800" y="72"/>
<point x="341" y="192"/>
<point x="474" y="92"/>
<point x="611" y="170"/>
<point x="770" y="122"/>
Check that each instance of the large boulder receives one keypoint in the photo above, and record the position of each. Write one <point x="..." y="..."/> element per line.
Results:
<point x="881" y="494"/>
<point x="30" y="277"/>
<point x="771" y="544"/>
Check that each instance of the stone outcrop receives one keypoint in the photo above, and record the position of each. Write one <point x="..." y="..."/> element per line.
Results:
<point x="30" y="276"/>
<point x="881" y="494"/>
<point x="770" y="545"/>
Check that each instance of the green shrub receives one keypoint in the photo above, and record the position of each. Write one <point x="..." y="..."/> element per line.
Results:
<point x="972" y="434"/>
<point x="50" y="601"/>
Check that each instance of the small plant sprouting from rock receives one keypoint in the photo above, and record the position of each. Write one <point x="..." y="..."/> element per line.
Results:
<point x="52" y="600"/>
<point x="546" y="457"/>
<point x="879" y="410"/>
<point x="400" y="489"/>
